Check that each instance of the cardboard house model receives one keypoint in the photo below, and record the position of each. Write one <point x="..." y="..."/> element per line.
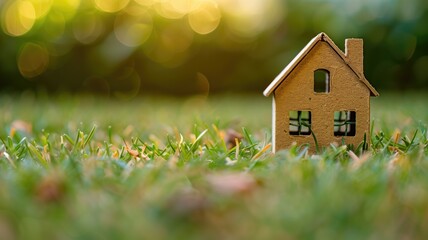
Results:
<point x="323" y="96"/>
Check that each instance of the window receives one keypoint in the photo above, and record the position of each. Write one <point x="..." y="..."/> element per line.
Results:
<point x="344" y="123"/>
<point x="300" y="122"/>
<point x="321" y="81"/>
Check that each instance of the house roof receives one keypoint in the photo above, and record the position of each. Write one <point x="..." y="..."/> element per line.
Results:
<point x="295" y="62"/>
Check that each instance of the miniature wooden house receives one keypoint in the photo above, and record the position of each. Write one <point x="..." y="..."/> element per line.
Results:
<point x="322" y="94"/>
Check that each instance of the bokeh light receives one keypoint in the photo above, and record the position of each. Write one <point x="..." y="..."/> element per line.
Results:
<point x="133" y="27"/>
<point x="18" y="17"/>
<point x="41" y="7"/>
<point x="176" y="38"/>
<point x="205" y="18"/>
<point x="185" y="6"/>
<point x="67" y="8"/>
<point x="111" y="6"/>
<point x="146" y="3"/>
<point x="166" y="10"/>
<point x="87" y="27"/>
<point x="202" y="83"/>
<point x="33" y="60"/>
<point x="236" y="44"/>
<point x="248" y="18"/>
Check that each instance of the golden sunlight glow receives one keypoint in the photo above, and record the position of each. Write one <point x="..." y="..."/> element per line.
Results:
<point x="68" y="8"/>
<point x="18" y="18"/>
<point x="111" y="6"/>
<point x="205" y="18"/>
<point x="87" y="28"/>
<point x="33" y="60"/>
<point x="133" y="27"/>
<point x="185" y="6"/>
<point x="247" y="18"/>
<point x="176" y="38"/>
<point x="169" y="46"/>
<point x="41" y="7"/>
<point x="166" y="10"/>
<point x="163" y="30"/>
<point x="146" y="3"/>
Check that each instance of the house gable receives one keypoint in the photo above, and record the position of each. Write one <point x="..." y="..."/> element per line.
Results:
<point x="320" y="38"/>
<point x="298" y="86"/>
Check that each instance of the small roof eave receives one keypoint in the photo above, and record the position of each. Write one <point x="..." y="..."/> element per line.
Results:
<point x="290" y="67"/>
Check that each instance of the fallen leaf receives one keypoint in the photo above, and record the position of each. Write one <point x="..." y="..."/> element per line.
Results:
<point x="232" y="183"/>
<point x="51" y="188"/>
<point x="231" y="137"/>
<point x="133" y="153"/>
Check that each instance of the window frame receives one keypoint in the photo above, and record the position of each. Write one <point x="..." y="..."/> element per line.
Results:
<point x="302" y="123"/>
<point x="349" y="121"/>
<point x="317" y="82"/>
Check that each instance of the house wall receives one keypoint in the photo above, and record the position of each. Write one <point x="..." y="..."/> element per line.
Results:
<point x="296" y="92"/>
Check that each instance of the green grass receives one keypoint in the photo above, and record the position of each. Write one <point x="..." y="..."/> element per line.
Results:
<point x="166" y="168"/>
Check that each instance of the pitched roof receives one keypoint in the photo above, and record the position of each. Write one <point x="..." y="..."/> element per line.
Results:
<point x="295" y="62"/>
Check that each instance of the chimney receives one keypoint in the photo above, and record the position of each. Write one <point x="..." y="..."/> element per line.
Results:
<point x="354" y="53"/>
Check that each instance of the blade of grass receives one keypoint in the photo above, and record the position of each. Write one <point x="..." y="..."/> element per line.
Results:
<point x="194" y="145"/>
<point x="36" y="154"/>
<point x="263" y="150"/>
<point x="90" y="136"/>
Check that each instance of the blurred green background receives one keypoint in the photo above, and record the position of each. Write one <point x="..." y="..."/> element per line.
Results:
<point x="122" y="48"/>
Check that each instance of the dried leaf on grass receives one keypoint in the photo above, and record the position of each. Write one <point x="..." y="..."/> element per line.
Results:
<point x="51" y="188"/>
<point x="229" y="136"/>
<point x="232" y="183"/>
<point x="232" y="137"/>
<point x="132" y="152"/>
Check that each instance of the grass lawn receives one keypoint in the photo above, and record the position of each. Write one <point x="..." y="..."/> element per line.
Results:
<point x="166" y="168"/>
